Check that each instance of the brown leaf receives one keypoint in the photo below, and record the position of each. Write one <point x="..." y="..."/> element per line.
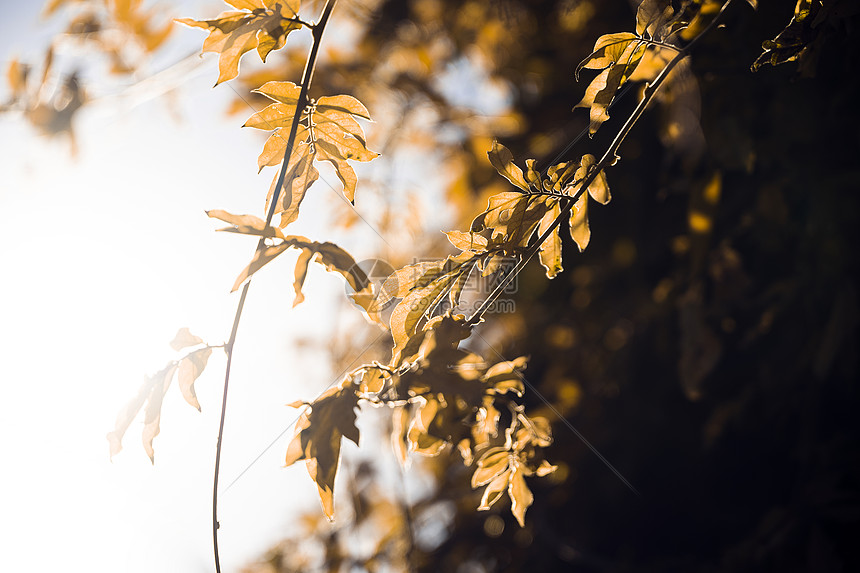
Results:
<point x="317" y="438"/>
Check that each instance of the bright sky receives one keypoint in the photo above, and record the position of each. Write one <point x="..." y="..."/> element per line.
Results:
<point x="103" y="258"/>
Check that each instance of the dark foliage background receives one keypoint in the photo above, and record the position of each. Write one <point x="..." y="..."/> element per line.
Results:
<point x="705" y="343"/>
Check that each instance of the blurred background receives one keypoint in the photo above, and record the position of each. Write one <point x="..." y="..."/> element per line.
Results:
<point x="705" y="343"/>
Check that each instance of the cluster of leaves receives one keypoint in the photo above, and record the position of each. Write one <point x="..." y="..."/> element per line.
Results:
<point x="151" y="394"/>
<point x="122" y="30"/>
<point x="256" y="24"/>
<point x="441" y="397"/>
<point x="328" y="132"/>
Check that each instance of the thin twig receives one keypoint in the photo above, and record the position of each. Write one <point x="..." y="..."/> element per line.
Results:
<point x="302" y="102"/>
<point x="608" y="159"/>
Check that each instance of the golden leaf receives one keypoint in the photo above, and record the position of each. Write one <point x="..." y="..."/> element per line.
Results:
<point x="331" y="134"/>
<point x="233" y="34"/>
<point x="245" y="224"/>
<point x="520" y="494"/>
<point x="494" y="490"/>
<point x="301" y="273"/>
<point x="550" y="250"/>
<point x="619" y="54"/>
<point x="467" y="241"/>
<point x="502" y="159"/>
<point x="301" y="174"/>
<point x="492" y="463"/>
<point x="261" y="258"/>
<point x="373" y="380"/>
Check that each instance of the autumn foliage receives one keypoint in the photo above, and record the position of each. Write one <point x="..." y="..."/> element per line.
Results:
<point x="445" y="399"/>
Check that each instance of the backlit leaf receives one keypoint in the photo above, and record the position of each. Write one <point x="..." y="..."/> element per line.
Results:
<point x="521" y="495"/>
<point x="261" y="258"/>
<point x="317" y="438"/>
<point x="301" y="174"/>
<point x="184" y="339"/>
<point x="502" y="159"/>
<point x="245" y="224"/>
<point x="550" y="250"/>
<point x="492" y="463"/>
<point x="190" y="369"/>
<point x="620" y="56"/>
<point x="598" y="190"/>
<point x="301" y="273"/>
<point x="467" y="241"/>
<point x="233" y="34"/>
<point x="373" y="380"/>
<point x="342" y="103"/>
<point x="329" y="132"/>
<point x="494" y="490"/>
<point x="152" y="412"/>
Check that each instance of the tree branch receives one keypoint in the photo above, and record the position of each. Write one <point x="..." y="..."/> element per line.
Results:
<point x="301" y="104"/>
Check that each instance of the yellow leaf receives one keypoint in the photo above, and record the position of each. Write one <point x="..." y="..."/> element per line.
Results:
<point x="580" y="232"/>
<point x="233" y="34"/>
<point x="467" y="241"/>
<point x="492" y="463"/>
<point x="550" y="250"/>
<point x="502" y="159"/>
<point x="607" y="50"/>
<point x="283" y="92"/>
<point x="301" y="273"/>
<point x="373" y="380"/>
<point x="190" y="369"/>
<point x="260" y="259"/>
<point x="520" y="494"/>
<point x="600" y="93"/>
<point x="301" y="174"/>
<point x="245" y="224"/>
<point x="494" y="490"/>
<point x="343" y="103"/>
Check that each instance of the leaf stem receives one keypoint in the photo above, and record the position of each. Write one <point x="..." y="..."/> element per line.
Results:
<point x="307" y="76"/>
<point x="608" y="159"/>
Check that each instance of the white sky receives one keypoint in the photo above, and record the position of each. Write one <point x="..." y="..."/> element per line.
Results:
<point x="103" y="258"/>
